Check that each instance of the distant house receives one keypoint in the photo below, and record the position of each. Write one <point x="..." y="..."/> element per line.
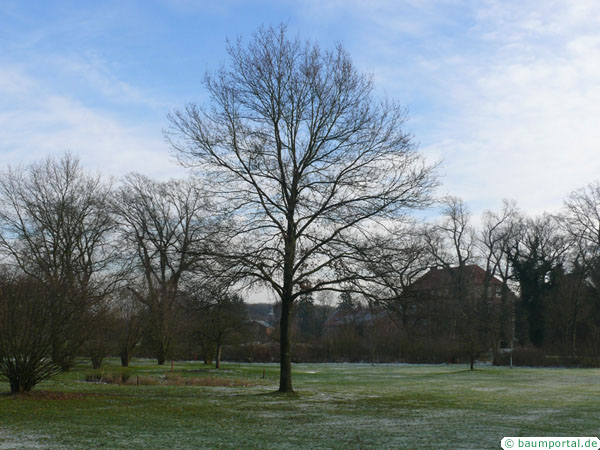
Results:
<point x="445" y="315"/>
<point x="432" y="294"/>
<point x="462" y="303"/>
<point x="261" y="330"/>
<point x="358" y="315"/>
<point x="261" y="321"/>
<point x="446" y="281"/>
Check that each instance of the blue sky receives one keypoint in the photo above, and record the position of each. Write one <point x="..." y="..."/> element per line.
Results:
<point x="505" y="93"/>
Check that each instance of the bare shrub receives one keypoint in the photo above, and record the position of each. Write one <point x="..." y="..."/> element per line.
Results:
<point x="165" y="380"/>
<point x="25" y="333"/>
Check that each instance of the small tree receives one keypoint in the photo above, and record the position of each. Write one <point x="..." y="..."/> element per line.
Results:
<point x="297" y="148"/>
<point x="25" y="332"/>
<point x="495" y="240"/>
<point x="101" y="342"/>
<point x="222" y="319"/>
<point x="130" y="317"/>
<point x="163" y="226"/>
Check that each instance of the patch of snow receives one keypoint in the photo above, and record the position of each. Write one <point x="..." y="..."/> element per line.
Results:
<point x="14" y="441"/>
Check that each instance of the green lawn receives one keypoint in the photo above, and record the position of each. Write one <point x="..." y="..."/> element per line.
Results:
<point x="336" y="406"/>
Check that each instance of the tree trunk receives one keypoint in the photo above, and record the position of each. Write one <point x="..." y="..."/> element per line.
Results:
<point x="125" y="358"/>
<point x="285" y="362"/>
<point x="287" y="301"/>
<point x="15" y="387"/>
<point x="472" y="353"/>
<point x="18" y="386"/>
<point x="161" y="334"/>
<point x="495" y="346"/>
<point x="161" y="354"/>
<point x="162" y="349"/>
<point x="61" y="357"/>
<point x="218" y="357"/>
<point x="574" y="324"/>
<point x="208" y="351"/>
<point x="372" y="335"/>
<point x="97" y="361"/>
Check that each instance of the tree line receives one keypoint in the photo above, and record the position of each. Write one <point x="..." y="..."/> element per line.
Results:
<point x="304" y="183"/>
<point x="513" y="286"/>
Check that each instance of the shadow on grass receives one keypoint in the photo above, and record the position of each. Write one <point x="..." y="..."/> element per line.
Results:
<point x="203" y="370"/>
<point x="49" y="395"/>
<point x="476" y="370"/>
<point x="278" y="395"/>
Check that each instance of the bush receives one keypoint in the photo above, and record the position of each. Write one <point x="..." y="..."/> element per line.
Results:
<point x="168" y="380"/>
<point x="25" y="333"/>
<point x="252" y="352"/>
<point x="541" y="358"/>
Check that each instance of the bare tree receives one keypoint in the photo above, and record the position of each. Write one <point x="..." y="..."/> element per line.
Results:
<point x="164" y="226"/>
<point x="495" y="240"/>
<point x="220" y="318"/>
<point x="452" y="243"/>
<point x="392" y="262"/>
<point x="581" y="220"/>
<point x="130" y="316"/>
<point x="101" y="343"/>
<point x="295" y="144"/>
<point x="56" y="227"/>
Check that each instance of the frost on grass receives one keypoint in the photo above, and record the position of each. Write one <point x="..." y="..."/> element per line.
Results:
<point x="9" y="440"/>
<point x="341" y="406"/>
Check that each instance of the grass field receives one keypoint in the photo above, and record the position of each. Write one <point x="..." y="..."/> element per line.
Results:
<point x="336" y="406"/>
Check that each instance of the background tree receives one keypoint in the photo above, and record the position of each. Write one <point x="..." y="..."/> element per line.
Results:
<point x="564" y="308"/>
<point x="130" y="316"/>
<point x="296" y="145"/>
<point x="221" y="319"/>
<point x="452" y="244"/>
<point x="495" y="240"/>
<point x="101" y="343"/>
<point x="395" y="259"/>
<point x="164" y="226"/>
<point x="592" y="312"/>
<point x="55" y="226"/>
<point x="537" y="255"/>
<point x="581" y="221"/>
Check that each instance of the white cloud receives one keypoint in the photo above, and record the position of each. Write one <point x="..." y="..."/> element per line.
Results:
<point x="510" y="96"/>
<point x="13" y="82"/>
<point x="527" y="123"/>
<point x="35" y="122"/>
<point x="95" y="72"/>
<point x="507" y="93"/>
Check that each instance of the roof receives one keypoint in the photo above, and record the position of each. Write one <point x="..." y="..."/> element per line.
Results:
<point x="438" y="278"/>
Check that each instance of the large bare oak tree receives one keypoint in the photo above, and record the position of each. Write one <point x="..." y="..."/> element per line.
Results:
<point x="295" y="143"/>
